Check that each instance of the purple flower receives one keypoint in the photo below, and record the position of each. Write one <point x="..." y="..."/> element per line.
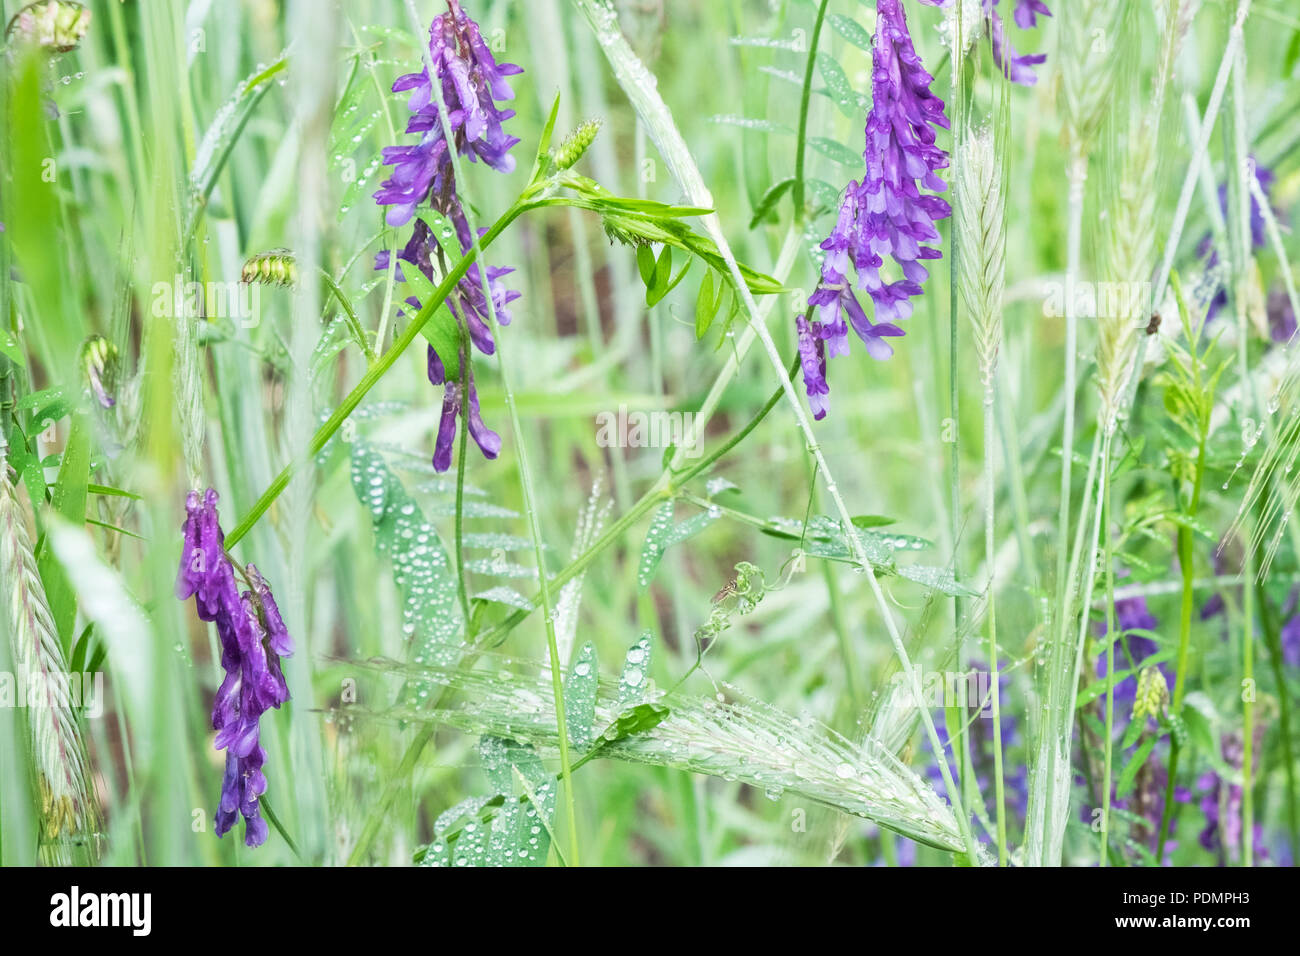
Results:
<point x="1017" y="66"/>
<point x="1028" y="11"/>
<point x="470" y="82"/>
<point x="253" y="639"/>
<point x="812" y="359"/>
<point x="453" y="404"/>
<point x="886" y="214"/>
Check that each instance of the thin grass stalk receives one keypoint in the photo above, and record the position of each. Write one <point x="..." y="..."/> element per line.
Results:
<point x="633" y="76"/>
<point x="1244" y="274"/>
<point x="805" y="99"/>
<point x="1111" y="637"/>
<point x="955" y="715"/>
<point x="981" y="228"/>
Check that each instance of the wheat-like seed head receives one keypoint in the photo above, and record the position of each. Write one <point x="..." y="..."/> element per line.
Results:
<point x="981" y="219"/>
<point x="1129" y="257"/>
<point x="1089" y="31"/>
<point x="57" y="748"/>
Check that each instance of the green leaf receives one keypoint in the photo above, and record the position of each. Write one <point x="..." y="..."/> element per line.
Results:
<point x="851" y="30"/>
<point x="1128" y="776"/>
<point x="544" y="143"/>
<point x="823" y="194"/>
<point x="112" y="492"/>
<point x="1097" y="688"/>
<point x="767" y="205"/>
<point x="634" y="680"/>
<point x="839" y="89"/>
<point x="706" y="306"/>
<point x="635" y="720"/>
<point x="421" y="570"/>
<point x="673" y="282"/>
<point x="872" y="521"/>
<point x="938" y="579"/>
<point x="835" y="151"/>
<point x="10" y="347"/>
<point x="663" y="534"/>
<point x="645" y="264"/>
<point x="440" y="330"/>
<point x="510" y="828"/>
<point x="580" y="697"/>
<point x="662" y="275"/>
<point x="69" y="502"/>
<point x="756" y="125"/>
<point x="215" y="148"/>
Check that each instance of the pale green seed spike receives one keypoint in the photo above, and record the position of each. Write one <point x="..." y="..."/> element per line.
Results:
<point x="577" y="143"/>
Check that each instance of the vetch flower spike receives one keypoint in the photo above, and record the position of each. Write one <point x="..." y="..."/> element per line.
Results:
<point x="253" y="639"/>
<point x="470" y="82"/>
<point x="886" y="214"/>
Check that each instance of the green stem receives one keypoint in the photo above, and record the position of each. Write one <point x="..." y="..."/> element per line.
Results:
<point x="956" y="713"/>
<point x="372" y="376"/>
<point x="805" y="99"/>
<point x="1104" y="493"/>
<point x="990" y="547"/>
<point x="461" y="588"/>
<point x="279" y="828"/>
<point x="1185" y="558"/>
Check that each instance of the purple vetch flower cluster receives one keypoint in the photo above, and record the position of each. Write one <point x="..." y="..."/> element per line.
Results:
<point x="470" y="82"/>
<point x="884" y="215"/>
<point x="1017" y="66"/>
<point x="253" y="639"/>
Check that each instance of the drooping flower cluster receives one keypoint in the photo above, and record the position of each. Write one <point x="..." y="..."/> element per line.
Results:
<point x="1017" y="66"/>
<point x="253" y="639"/>
<point x="884" y="215"/>
<point x="470" y="82"/>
